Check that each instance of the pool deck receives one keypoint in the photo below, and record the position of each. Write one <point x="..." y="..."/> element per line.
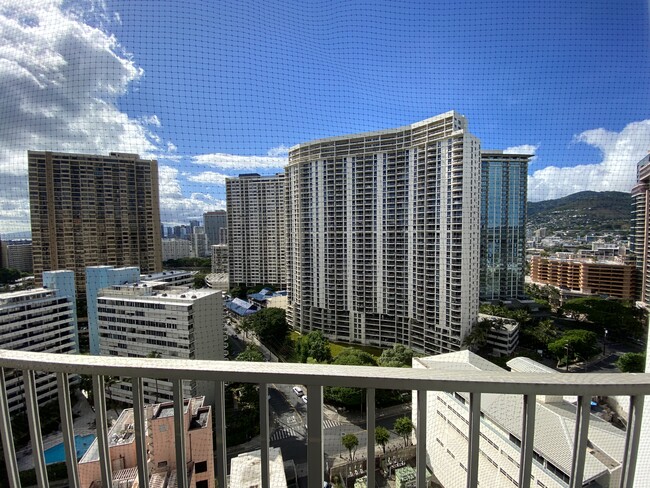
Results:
<point x="83" y="425"/>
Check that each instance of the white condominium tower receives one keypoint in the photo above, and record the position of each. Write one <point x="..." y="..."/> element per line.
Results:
<point x="383" y="235"/>
<point x="256" y="230"/>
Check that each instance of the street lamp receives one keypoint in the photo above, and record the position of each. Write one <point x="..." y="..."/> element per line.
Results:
<point x="605" y="343"/>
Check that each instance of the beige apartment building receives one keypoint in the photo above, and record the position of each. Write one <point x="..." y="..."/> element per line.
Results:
<point x="256" y="230"/>
<point x="89" y="210"/>
<point x="383" y="232"/>
<point x="160" y="447"/>
<point x="585" y="276"/>
<point x="640" y="232"/>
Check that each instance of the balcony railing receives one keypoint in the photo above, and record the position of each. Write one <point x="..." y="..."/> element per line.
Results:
<point x="314" y="377"/>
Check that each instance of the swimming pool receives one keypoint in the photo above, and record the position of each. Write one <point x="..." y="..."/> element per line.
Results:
<point x="56" y="454"/>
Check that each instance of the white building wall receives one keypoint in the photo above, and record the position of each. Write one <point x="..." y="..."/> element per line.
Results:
<point x="176" y="249"/>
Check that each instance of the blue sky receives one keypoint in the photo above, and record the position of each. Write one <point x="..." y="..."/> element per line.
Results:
<point x="215" y="89"/>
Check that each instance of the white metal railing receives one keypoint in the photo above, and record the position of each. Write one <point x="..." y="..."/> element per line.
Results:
<point x="314" y="377"/>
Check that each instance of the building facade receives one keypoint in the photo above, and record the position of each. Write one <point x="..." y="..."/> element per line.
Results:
<point x="216" y="227"/>
<point x="89" y="210"/>
<point x="160" y="448"/>
<point x="383" y="235"/>
<point x="640" y="231"/>
<point x="16" y="255"/>
<point x="176" y="249"/>
<point x="200" y="246"/>
<point x="152" y="319"/>
<point x="36" y="320"/>
<point x="62" y="282"/>
<point x="504" y="180"/>
<point x="98" y="277"/>
<point x="256" y="230"/>
<point x="219" y="258"/>
<point x="610" y="277"/>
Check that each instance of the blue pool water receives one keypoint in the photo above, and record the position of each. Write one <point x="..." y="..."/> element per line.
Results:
<point x="56" y="454"/>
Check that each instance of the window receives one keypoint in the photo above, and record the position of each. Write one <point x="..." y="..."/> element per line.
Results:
<point x="201" y="467"/>
<point x="202" y="484"/>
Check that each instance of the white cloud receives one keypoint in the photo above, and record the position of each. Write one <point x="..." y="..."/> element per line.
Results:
<point x="280" y="150"/>
<point x="621" y="151"/>
<point x="61" y="78"/>
<point x="209" y="177"/>
<point x="523" y="149"/>
<point x="242" y="163"/>
<point x="177" y="208"/>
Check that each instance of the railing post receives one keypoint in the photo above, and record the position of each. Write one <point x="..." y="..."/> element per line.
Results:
<point x="31" y="402"/>
<point x="474" y="437"/>
<point x="102" y="430"/>
<point x="221" y="460"/>
<point x="580" y="441"/>
<point x="632" y="441"/>
<point x="179" y="433"/>
<point x="370" y="427"/>
<point x="315" y="460"/>
<point x="7" y="435"/>
<point x="421" y="439"/>
<point x="527" y="440"/>
<point x="65" y="409"/>
<point x="139" y="421"/>
<point x="264" y="435"/>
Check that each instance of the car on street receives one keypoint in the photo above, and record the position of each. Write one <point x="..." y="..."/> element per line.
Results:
<point x="304" y="399"/>
<point x="297" y="390"/>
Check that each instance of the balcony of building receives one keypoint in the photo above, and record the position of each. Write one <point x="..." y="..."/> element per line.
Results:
<point x="475" y="385"/>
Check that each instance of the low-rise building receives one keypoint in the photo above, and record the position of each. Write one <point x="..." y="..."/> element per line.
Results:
<point x="503" y="335"/>
<point x="268" y="298"/>
<point x="246" y="469"/>
<point x="585" y="276"/>
<point x="38" y="320"/>
<point x="501" y="433"/>
<point x="171" y="277"/>
<point x="160" y="446"/>
<point x="151" y="319"/>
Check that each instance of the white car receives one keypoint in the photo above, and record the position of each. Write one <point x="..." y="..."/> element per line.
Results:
<point x="304" y="398"/>
<point x="297" y="390"/>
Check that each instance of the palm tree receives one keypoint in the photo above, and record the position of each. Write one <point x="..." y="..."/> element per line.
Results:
<point x="381" y="437"/>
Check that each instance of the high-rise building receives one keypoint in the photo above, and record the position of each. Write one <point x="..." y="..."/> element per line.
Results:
<point x="89" y="210"/>
<point x="38" y="320"/>
<point x="640" y="232"/>
<point x="16" y="255"/>
<point x="176" y="249"/>
<point x="199" y="240"/>
<point x="220" y="258"/>
<point x="216" y="226"/>
<point x="504" y="179"/>
<point x="256" y="230"/>
<point x="151" y="318"/>
<point x="62" y="282"/>
<point x="383" y="235"/>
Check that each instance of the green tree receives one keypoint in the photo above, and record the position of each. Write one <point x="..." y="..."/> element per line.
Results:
<point x="199" y="280"/>
<point x="622" y="320"/>
<point x="382" y="437"/>
<point x="478" y="335"/>
<point x="631" y="362"/>
<point x="349" y="397"/>
<point x="399" y="356"/>
<point x="403" y="427"/>
<point x="315" y="346"/>
<point x="8" y="275"/>
<point x="582" y="344"/>
<point x="350" y="442"/>
<point x="269" y="325"/>
<point x="251" y="354"/>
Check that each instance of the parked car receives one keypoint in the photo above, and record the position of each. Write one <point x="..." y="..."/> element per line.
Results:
<point x="297" y="390"/>
<point x="304" y="398"/>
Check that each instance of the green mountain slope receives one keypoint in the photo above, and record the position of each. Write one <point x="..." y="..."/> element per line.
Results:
<point x="585" y="212"/>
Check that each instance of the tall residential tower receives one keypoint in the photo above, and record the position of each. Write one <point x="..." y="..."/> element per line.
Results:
<point x="504" y="193"/>
<point x="91" y="210"/>
<point x="383" y="235"/>
<point x="256" y="230"/>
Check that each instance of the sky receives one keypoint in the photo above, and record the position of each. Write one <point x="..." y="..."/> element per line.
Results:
<point x="214" y="89"/>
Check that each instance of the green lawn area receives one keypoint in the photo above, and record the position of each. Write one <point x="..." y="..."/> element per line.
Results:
<point x="337" y="347"/>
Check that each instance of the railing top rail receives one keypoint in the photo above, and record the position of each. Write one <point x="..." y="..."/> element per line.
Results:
<point x="335" y="375"/>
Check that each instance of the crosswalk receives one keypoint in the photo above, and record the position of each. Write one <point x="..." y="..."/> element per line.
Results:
<point x="283" y="433"/>
<point x="328" y="424"/>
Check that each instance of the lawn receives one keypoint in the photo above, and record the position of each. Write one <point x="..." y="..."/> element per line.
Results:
<point x="337" y="347"/>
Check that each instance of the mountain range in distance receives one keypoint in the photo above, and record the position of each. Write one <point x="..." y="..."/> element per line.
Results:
<point x="585" y="212"/>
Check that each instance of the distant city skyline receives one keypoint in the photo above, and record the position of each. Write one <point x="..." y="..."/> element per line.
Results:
<point x="214" y="93"/>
